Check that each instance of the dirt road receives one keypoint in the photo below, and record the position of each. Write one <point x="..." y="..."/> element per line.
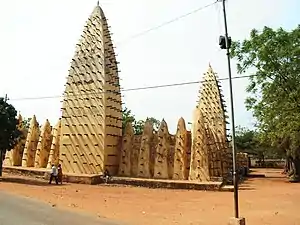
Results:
<point x="263" y="201"/>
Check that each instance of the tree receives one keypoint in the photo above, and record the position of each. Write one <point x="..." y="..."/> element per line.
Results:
<point x="245" y="139"/>
<point x="249" y="141"/>
<point x="9" y="133"/>
<point x="274" y="88"/>
<point x="127" y="117"/>
<point x="155" y="122"/>
<point x="138" y="125"/>
<point x="26" y="123"/>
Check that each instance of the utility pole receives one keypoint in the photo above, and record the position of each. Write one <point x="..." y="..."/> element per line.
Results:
<point x="225" y="43"/>
<point x="2" y="150"/>
<point x="6" y="98"/>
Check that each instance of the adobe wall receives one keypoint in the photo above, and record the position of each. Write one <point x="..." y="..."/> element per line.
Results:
<point x="88" y="137"/>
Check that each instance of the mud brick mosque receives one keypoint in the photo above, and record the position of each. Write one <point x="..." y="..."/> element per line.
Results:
<point x="88" y="138"/>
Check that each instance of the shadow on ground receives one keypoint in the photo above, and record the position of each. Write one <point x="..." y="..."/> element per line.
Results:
<point x="20" y="180"/>
<point x="246" y="187"/>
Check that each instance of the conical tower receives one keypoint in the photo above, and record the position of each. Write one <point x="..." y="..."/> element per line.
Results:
<point x="91" y="124"/>
<point x="209" y="153"/>
<point x="31" y="143"/>
<point x="211" y="103"/>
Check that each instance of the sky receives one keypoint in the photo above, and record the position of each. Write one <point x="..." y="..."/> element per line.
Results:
<point x="38" y="41"/>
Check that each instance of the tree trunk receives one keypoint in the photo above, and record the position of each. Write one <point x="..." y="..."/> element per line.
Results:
<point x="288" y="165"/>
<point x="295" y="176"/>
<point x="297" y="168"/>
<point x="263" y="160"/>
<point x="1" y="161"/>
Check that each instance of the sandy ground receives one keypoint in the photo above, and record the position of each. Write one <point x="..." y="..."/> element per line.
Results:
<point x="263" y="201"/>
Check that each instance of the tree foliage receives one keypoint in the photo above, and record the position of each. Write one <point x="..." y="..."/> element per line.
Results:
<point x="249" y="141"/>
<point x="9" y="132"/>
<point x="274" y="56"/>
<point x="138" y="125"/>
<point x="26" y="123"/>
<point x="23" y="128"/>
<point x="246" y="140"/>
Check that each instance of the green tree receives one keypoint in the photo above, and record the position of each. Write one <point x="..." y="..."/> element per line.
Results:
<point x="127" y="117"/>
<point x="26" y="123"/>
<point x="245" y="140"/>
<point x="249" y="141"/>
<point x="274" y="56"/>
<point x="138" y="125"/>
<point x="9" y="132"/>
<point x="155" y="122"/>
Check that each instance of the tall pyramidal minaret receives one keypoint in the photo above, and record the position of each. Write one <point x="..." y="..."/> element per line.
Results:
<point x="211" y="103"/>
<point x="91" y="124"/>
<point x="209" y="152"/>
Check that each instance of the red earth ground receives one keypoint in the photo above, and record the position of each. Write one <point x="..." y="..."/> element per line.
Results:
<point x="271" y="200"/>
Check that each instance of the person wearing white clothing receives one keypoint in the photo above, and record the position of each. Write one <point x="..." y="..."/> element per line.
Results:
<point x="53" y="174"/>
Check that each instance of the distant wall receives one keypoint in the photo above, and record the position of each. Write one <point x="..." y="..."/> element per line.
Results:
<point x="160" y="155"/>
<point x="199" y="156"/>
<point x="268" y="163"/>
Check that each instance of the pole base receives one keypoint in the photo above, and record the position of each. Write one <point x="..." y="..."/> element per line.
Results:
<point x="237" y="221"/>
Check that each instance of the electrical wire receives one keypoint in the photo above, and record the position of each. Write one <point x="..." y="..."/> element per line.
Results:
<point x="165" y="23"/>
<point x="219" y="18"/>
<point x="132" y="89"/>
<point x="134" y="37"/>
<point x="147" y="87"/>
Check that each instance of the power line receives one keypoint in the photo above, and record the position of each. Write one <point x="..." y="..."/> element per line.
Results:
<point x="136" y="36"/>
<point x="165" y="23"/>
<point x="132" y="89"/>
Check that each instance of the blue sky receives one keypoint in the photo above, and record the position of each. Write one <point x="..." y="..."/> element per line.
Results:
<point x="39" y="37"/>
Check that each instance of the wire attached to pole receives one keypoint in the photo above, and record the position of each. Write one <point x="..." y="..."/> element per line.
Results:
<point x="134" y="89"/>
<point x="165" y="23"/>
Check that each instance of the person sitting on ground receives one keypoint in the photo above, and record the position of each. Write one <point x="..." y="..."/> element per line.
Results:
<point x="106" y="176"/>
<point x="59" y="174"/>
<point x="53" y="174"/>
